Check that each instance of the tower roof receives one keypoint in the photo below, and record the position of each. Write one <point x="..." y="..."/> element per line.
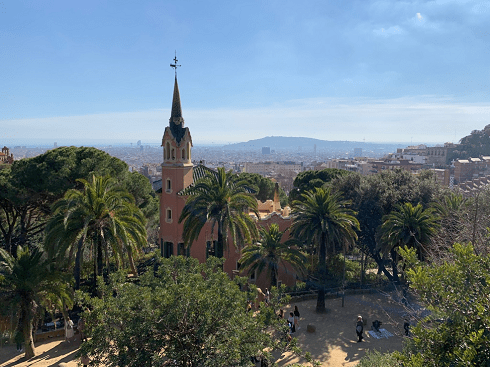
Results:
<point x="176" y="107"/>
<point x="176" y="121"/>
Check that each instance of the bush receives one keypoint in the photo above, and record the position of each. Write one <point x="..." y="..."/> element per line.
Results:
<point x="377" y="359"/>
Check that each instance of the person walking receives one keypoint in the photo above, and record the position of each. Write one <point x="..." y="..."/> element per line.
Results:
<point x="85" y="360"/>
<point x="69" y="332"/>
<point x="292" y="327"/>
<point x="359" y="328"/>
<point x="19" y="340"/>
<point x="81" y="329"/>
<point x="296" y="317"/>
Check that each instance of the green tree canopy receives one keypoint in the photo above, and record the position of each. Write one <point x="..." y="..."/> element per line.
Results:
<point x="184" y="314"/>
<point x="220" y="198"/>
<point x="475" y="144"/>
<point x="322" y="217"/>
<point x="102" y="218"/>
<point x="269" y="252"/>
<point x="263" y="186"/>
<point x="456" y="333"/>
<point x="309" y="180"/>
<point x="408" y="225"/>
<point x="30" y="186"/>
<point x="29" y="281"/>
<point x="375" y="196"/>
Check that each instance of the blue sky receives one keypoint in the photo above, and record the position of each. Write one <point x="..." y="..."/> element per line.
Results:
<point x="379" y="71"/>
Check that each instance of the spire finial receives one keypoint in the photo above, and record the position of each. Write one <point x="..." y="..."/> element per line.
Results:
<point x="174" y="65"/>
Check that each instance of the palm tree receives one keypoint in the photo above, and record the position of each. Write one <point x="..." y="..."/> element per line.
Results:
<point x="27" y="282"/>
<point x="221" y="199"/>
<point x="451" y="210"/>
<point x="269" y="252"/>
<point x="102" y="218"/>
<point x="322" y="217"/>
<point x="408" y="226"/>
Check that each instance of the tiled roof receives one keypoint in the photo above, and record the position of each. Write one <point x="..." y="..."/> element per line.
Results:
<point x="157" y="186"/>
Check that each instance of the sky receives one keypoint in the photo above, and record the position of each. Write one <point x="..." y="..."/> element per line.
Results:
<point x="373" y="71"/>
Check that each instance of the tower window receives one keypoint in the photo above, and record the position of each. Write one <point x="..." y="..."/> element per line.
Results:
<point x="210" y="248"/>
<point x="183" y="155"/>
<point x="169" y="185"/>
<point x="167" y="151"/>
<point x="168" y="249"/>
<point x="182" y="250"/>
<point x="173" y="154"/>
<point x="169" y="215"/>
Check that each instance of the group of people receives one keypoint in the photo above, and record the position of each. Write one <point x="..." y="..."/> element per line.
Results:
<point x="292" y="320"/>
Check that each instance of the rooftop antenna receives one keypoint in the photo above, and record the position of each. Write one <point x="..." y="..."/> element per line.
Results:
<point x="174" y="65"/>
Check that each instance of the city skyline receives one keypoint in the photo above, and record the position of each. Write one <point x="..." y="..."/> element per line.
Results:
<point x="372" y="71"/>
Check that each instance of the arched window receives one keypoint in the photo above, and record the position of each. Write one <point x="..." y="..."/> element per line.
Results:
<point x="167" y="150"/>
<point x="173" y="154"/>
<point x="183" y="155"/>
<point x="169" y="185"/>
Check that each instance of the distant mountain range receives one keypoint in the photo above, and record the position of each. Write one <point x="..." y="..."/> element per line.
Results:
<point x="308" y="144"/>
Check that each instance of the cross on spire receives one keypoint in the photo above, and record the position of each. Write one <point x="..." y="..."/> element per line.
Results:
<point x="174" y="65"/>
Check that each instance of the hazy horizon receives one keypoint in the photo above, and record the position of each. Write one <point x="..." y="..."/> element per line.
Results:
<point x="46" y="143"/>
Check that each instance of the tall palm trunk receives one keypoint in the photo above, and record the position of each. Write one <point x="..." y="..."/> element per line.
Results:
<point x="100" y="255"/>
<point x="131" y="261"/>
<point x="26" y="320"/>
<point x="322" y="270"/>
<point x="274" y="278"/>
<point x="78" y="262"/>
<point x="220" y="244"/>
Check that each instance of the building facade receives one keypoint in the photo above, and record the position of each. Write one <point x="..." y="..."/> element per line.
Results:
<point x="6" y="157"/>
<point x="178" y="173"/>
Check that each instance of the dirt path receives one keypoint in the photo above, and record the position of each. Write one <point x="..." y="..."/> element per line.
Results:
<point x="333" y="344"/>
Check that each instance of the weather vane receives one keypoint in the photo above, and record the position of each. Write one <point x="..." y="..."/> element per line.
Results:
<point x="174" y="65"/>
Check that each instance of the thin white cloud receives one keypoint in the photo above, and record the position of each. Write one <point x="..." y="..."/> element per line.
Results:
<point x="422" y="118"/>
<point x="391" y="31"/>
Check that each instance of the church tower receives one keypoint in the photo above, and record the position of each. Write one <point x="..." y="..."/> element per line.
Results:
<point x="176" y="175"/>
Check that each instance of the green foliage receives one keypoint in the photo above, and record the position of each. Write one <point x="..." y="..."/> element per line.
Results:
<point x="184" y="314"/>
<point x="322" y="218"/>
<point x="263" y="186"/>
<point x="375" y="196"/>
<point x="30" y="186"/>
<point x="376" y="359"/>
<point x="146" y="200"/>
<point x="269" y="253"/>
<point x="335" y="265"/>
<point x="27" y="282"/>
<point x="220" y="198"/>
<point x="309" y="180"/>
<point x="456" y="333"/>
<point x="101" y="217"/>
<point x="409" y="225"/>
<point x="474" y="145"/>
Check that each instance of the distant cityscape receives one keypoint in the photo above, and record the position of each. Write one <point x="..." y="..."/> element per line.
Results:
<point x="286" y="157"/>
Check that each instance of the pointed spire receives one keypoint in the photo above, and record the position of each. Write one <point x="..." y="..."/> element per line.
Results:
<point x="176" y="107"/>
<point x="176" y="121"/>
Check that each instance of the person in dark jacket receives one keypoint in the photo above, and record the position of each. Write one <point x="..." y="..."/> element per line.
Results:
<point x="359" y="328"/>
<point x="296" y="317"/>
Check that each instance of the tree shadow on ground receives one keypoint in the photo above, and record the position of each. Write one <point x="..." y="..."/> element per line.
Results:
<point x="335" y="341"/>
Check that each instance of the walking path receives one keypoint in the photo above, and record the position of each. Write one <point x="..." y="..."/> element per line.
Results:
<point x="333" y="344"/>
